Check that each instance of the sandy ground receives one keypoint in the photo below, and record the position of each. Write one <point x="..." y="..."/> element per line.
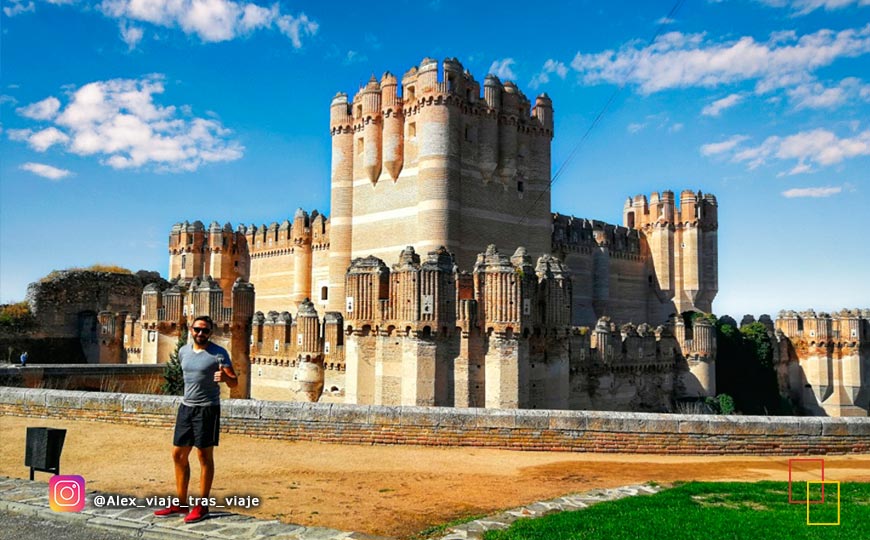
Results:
<point x="385" y="490"/>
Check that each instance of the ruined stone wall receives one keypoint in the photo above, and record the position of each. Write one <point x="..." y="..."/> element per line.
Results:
<point x="59" y="301"/>
<point x="578" y="431"/>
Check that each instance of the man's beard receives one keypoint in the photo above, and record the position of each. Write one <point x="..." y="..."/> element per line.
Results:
<point x="200" y="339"/>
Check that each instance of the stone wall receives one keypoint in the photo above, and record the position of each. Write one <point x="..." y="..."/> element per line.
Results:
<point x="141" y="379"/>
<point x="580" y="431"/>
<point x="66" y="304"/>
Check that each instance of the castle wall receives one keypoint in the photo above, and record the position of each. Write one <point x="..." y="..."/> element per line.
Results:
<point x="272" y="275"/>
<point x="823" y="361"/>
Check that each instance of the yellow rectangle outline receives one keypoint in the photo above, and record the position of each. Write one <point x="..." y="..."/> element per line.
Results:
<point x="823" y="482"/>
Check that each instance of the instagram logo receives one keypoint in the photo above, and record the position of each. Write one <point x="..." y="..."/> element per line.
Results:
<point x="66" y="493"/>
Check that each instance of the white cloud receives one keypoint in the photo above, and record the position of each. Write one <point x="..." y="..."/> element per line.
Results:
<point x="17" y="7"/>
<point x="131" y="35"/>
<point x="41" y="110"/>
<point x="814" y="192"/>
<point x="803" y="7"/>
<point x="713" y="149"/>
<point x="502" y="69"/>
<point x="46" y="138"/>
<point x="817" y="96"/>
<point x="210" y="20"/>
<point x="45" y="171"/>
<point x="296" y="27"/>
<point x="676" y="127"/>
<point x="550" y="66"/>
<point x="119" y="121"/>
<point x="716" y="108"/>
<point x="677" y="60"/>
<point x="635" y="127"/>
<point x="665" y="20"/>
<point x="818" y="147"/>
<point x="352" y="57"/>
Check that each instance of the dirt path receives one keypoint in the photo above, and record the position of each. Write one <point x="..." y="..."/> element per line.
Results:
<point x="387" y="490"/>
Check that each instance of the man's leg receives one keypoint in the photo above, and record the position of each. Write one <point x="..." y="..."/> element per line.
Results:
<point x="206" y="463"/>
<point x="182" y="471"/>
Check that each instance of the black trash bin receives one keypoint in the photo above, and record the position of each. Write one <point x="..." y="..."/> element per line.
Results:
<point x="43" y="449"/>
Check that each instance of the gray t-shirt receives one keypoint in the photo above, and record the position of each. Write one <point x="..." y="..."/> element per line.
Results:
<point x="199" y="367"/>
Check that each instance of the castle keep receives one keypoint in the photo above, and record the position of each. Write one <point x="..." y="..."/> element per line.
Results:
<point x="402" y="296"/>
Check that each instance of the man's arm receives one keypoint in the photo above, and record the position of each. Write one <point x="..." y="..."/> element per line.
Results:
<point x="226" y="374"/>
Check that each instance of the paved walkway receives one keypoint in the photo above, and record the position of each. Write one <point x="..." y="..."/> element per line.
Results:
<point x="24" y="496"/>
<point x="473" y="530"/>
<point x="31" y="498"/>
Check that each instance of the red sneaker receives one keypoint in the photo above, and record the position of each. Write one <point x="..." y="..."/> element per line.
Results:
<point x="170" y="511"/>
<point x="197" y="513"/>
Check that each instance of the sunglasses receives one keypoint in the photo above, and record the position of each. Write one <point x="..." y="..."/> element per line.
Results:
<point x="201" y="330"/>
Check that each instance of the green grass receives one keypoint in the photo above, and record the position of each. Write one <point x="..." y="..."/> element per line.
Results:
<point x="708" y="511"/>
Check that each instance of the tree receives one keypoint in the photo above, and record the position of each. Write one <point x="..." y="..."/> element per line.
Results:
<point x="174" y="385"/>
<point x="16" y="317"/>
<point x="745" y="370"/>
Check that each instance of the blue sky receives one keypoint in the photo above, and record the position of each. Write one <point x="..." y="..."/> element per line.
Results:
<point x="122" y="117"/>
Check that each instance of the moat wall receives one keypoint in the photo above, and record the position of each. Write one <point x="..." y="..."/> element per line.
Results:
<point x="578" y="431"/>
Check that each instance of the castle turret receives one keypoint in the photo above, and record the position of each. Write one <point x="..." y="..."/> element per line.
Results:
<point x="152" y="302"/>
<point x="368" y="118"/>
<point x="301" y="239"/>
<point x="507" y="156"/>
<point x="394" y="125"/>
<point x="341" y="127"/>
<point x="703" y="364"/>
<point x="683" y="248"/>
<point x="241" y="327"/>
<point x="207" y="298"/>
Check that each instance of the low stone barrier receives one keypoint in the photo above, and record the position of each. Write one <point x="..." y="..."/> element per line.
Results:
<point x="579" y="431"/>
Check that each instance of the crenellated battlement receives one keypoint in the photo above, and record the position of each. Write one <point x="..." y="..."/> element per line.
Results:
<point x="662" y="210"/>
<point x="847" y="326"/>
<point x="823" y="360"/>
<point x="571" y="233"/>
<point x="280" y="238"/>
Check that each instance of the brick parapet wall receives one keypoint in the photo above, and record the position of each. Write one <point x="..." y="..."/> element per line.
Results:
<point x="580" y="431"/>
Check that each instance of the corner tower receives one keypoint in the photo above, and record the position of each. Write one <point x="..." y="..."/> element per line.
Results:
<point x="683" y="248"/>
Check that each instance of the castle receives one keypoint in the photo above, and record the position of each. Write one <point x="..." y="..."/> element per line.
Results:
<point x="402" y="296"/>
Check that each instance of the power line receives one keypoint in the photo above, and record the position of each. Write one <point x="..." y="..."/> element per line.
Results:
<point x="674" y="9"/>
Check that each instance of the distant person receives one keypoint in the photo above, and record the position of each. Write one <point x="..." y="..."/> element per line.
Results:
<point x="23" y="359"/>
<point x="204" y="365"/>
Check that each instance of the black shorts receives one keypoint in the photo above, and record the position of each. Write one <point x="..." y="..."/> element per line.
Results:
<point x="197" y="426"/>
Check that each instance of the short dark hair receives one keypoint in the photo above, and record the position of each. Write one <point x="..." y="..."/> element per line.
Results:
<point x="207" y="319"/>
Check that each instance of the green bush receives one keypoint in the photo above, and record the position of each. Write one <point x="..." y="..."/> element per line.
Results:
<point x="172" y="373"/>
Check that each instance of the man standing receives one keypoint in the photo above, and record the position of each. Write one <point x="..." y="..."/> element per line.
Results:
<point x="204" y="365"/>
<point x="23" y="359"/>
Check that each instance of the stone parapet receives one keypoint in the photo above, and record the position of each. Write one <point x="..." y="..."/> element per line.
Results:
<point x="540" y="430"/>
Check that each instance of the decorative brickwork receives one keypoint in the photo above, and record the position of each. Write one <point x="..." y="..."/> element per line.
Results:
<point x="580" y="431"/>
